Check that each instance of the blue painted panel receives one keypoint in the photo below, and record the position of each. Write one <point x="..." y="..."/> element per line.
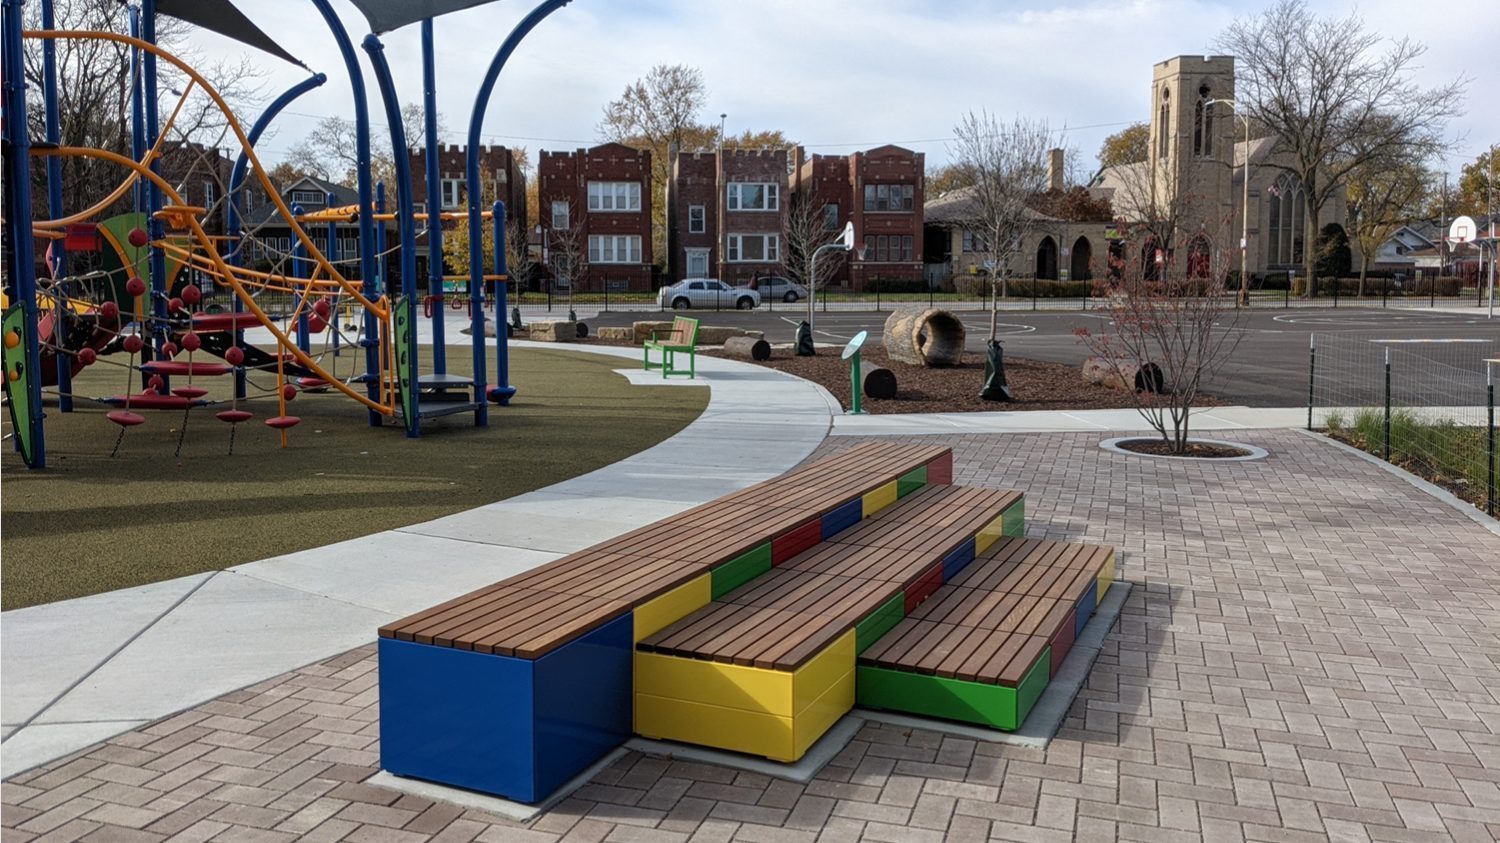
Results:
<point x="843" y="518"/>
<point x="1086" y="607"/>
<point x="958" y="560"/>
<point x="457" y="717"/>
<point x="583" y="702"/>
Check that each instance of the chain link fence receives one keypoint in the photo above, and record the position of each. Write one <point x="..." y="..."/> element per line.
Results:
<point x="1427" y="405"/>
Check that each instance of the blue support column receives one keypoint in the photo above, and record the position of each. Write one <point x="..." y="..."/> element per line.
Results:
<point x="160" y="332"/>
<point x="299" y="258"/>
<point x="502" y="391"/>
<point x="22" y="256"/>
<point x="367" y="246"/>
<point x="332" y="253"/>
<point x="476" y="120"/>
<point x="407" y="229"/>
<point x="55" y="206"/>
<point x="384" y="272"/>
<point x="434" y="201"/>
<point x="137" y="110"/>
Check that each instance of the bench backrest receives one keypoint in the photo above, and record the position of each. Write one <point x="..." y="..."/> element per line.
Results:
<point x="684" y="331"/>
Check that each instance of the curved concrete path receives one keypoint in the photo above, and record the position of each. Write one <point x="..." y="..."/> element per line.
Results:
<point x="78" y="671"/>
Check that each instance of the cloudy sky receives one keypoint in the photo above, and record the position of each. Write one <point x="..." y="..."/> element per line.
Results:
<point x="838" y="75"/>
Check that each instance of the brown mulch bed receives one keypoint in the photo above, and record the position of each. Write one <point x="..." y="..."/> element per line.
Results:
<point x="1201" y="450"/>
<point x="1036" y="385"/>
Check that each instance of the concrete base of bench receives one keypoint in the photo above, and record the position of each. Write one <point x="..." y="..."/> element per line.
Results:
<point x="513" y="727"/>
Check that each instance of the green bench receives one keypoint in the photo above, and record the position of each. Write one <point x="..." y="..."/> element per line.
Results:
<point x="683" y="338"/>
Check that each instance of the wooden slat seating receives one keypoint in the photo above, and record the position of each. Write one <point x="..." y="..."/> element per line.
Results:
<point x="983" y="649"/>
<point x="681" y="339"/>
<point x="515" y="687"/>
<point x="769" y="667"/>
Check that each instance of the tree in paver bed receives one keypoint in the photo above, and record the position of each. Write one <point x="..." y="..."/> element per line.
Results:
<point x="1335" y="97"/>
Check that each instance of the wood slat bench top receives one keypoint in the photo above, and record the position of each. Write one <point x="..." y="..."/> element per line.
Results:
<point x="815" y="594"/>
<point x="929" y="515"/>
<point x="732" y="633"/>
<point x="956" y="652"/>
<point x="897" y="565"/>
<point x="511" y="621"/>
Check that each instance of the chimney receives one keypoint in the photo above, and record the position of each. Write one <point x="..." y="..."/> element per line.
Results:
<point x="1055" y="170"/>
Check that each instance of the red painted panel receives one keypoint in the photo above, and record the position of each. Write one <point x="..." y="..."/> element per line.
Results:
<point x="798" y="540"/>
<point x="940" y="470"/>
<point x="924" y="587"/>
<point x="1062" y="641"/>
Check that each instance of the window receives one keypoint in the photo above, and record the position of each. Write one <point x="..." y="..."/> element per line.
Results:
<point x="614" y="196"/>
<point x="1163" y="124"/>
<point x="975" y="241"/>
<point x="209" y="192"/>
<point x="697" y="219"/>
<point x="1285" y="240"/>
<point x="1203" y="125"/>
<point x="307" y="198"/>
<point x="754" y="196"/>
<point x="452" y="193"/>
<point x="561" y="220"/>
<point x="614" y="248"/>
<point x="754" y="248"/>
<point x="892" y="248"/>
<point x="890" y="197"/>
<point x="831" y="216"/>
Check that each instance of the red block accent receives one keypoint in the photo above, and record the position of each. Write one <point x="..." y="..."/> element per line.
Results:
<point x="81" y="237"/>
<point x="798" y="540"/>
<point x="182" y="367"/>
<point x="940" y="470"/>
<point x="925" y="586"/>
<point x="209" y="322"/>
<point x="1062" y="640"/>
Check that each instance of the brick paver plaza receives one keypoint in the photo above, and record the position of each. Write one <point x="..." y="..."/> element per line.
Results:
<point x="1309" y="651"/>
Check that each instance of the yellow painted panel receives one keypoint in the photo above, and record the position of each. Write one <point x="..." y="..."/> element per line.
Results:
<point x="881" y="498"/>
<point x="1106" y="577"/>
<point x="822" y="713"/>
<point x="716" y="726"/>
<point x="655" y="615"/>
<point x="813" y="679"/>
<point x="728" y="685"/>
<point x="989" y="535"/>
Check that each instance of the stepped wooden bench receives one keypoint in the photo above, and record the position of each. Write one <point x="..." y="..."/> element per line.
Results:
<point x="515" y="688"/>
<point x="682" y="338"/>
<point x="769" y="667"/>
<point x="985" y="647"/>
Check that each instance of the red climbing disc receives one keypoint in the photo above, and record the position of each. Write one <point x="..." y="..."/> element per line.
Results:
<point x="109" y="311"/>
<point x="190" y="392"/>
<point x="87" y="356"/>
<point x="182" y="367"/>
<point x="135" y="286"/>
<point x="191" y="341"/>
<point x="152" y="401"/>
<point x="208" y="322"/>
<point x="169" y="350"/>
<point x="234" y="416"/>
<point x="235" y="355"/>
<point x="311" y="383"/>
<point x="125" y="418"/>
<point x="133" y="343"/>
<point x="191" y="294"/>
<point x="322" y="308"/>
<point x="317" y="324"/>
<point x="283" y="422"/>
<point x="138" y="237"/>
<point x="174" y="305"/>
<point x="289" y="392"/>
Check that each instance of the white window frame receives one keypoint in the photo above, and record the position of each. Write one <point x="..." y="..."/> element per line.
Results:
<point x="697" y="219"/>
<point x="770" y="248"/>
<point x="210" y="188"/>
<point x="452" y="191"/>
<point x="614" y="197"/>
<point x="770" y="193"/>
<point x="609" y="248"/>
<point x="419" y="207"/>
<point x="897" y="194"/>
<point x="317" y="198"/>
<point x="562" y="207"/>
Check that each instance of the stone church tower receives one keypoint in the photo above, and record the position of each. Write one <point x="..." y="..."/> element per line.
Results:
<point x="1192" y="143"/>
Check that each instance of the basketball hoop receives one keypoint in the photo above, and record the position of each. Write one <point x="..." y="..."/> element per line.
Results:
<point x="1461" y="231"/>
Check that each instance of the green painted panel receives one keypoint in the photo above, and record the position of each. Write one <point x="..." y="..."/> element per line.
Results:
<point x="953" y="699"/>
<point x="1031" y="687"/>
<point x="1014" y="523"/>
<point x="18" y="382"/>
<point x="741" y="569"/>
<point x="910" y="482"/>
<point x="877" y="624"/>
<point x="405" y="329"/>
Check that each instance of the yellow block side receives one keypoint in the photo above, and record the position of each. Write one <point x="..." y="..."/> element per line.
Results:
<point x="655" y="615"/>
<point x="820" y="715"/>
<point x="991" y="533"/>
<point x="727" y="685"/>
<point x="1106" y="577"/>
<point x="756" y="733"/>
<point x="813" y="679"/>
<point x="880" y="498"/>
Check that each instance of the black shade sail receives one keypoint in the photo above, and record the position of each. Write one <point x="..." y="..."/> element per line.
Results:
<point x="222" y="17"/>
<point x="386" y="15"/>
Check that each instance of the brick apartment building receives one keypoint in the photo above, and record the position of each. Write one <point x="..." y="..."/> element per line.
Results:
<point x="882" y="192"/>
<point x="733" y="233"/>
<point x="596" y="212"/>
<point x="499" y="171"/>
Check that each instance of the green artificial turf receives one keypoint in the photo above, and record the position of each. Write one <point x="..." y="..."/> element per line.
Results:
<point x="91" y="523"/>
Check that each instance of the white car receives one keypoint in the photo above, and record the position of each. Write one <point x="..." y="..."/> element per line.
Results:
<point x="707" y="292"/>
<point x="777" y="288"/>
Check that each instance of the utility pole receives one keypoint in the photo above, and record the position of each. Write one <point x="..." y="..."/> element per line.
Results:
<point x="1489" y="212"/>
<point x="1443" y="233"/>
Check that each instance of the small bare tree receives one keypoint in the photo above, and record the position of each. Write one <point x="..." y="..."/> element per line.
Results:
<point x="567" y="253"/>
<point x="1006" y="166"/>
<point x="807" y="231"/>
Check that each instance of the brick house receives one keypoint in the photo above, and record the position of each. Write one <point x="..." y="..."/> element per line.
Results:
<point x="596" y="205"/>
<point x="882" y="191"/>
<point x="499" y="171"/>
<point x="735" y="233"/>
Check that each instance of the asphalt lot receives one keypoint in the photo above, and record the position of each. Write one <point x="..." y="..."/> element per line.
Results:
<point x="1270" y="365"/>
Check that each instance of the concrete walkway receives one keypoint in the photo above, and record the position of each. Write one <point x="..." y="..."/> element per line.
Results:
<point x="79" y="671"/>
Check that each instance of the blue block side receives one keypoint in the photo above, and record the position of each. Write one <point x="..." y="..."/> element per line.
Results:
<point x="958" y="560"/>
<point x="583" y="702"/>
<point x="843" y="518"/>
<point x="458" y="718"/>
<point x="1086" y="605"/>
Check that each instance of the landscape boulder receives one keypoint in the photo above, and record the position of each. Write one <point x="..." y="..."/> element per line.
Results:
<point x="553" y="331"/>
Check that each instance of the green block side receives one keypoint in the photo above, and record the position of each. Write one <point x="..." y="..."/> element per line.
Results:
<point x="911" y="481"/>
<point x="1014" y="523"/>
<point x="740" y="570"/>
<point x="995" y="706"/>
<point x="877" y="624"/>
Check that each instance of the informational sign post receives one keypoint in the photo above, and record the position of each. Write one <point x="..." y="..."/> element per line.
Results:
<point x="851" y="353"/>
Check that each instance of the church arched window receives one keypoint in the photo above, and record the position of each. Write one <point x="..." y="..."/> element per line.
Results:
<point x="1203" y="125"/>
<point x="1288" y="221"/>
<point x="1164" y="124"/>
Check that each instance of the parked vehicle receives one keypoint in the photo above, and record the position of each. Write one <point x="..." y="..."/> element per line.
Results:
<point x="706" y="292"/>
<point x="777" y="287"/>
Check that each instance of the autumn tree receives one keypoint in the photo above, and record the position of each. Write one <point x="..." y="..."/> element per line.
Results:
<point x="1130" y="145"/>
<point x="1475" y="187"/>
<point x="1382" y="196"/>
<point x="1336" y="96"/>
<point x="945" y="179"/>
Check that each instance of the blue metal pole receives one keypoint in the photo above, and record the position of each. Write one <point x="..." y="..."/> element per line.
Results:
<point x="160" y="331"/>
<point x="434" y="200"/>
<point x="137" y="111"/>
<point x="367" y="252"/>
<point x="503" y="390"/>
<point x="404" y="220"/>
<point x="299" y="259"/>
<point x="384" y="273"/>
<point x="55" y="205"/>
<point x="22" y="268"/>
<point x="236" y="209"/>
<point x="332" y="253"/>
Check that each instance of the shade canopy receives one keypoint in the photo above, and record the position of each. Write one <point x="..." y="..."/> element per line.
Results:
<point x="386" y="15"/>
<point x="222" y="17"/>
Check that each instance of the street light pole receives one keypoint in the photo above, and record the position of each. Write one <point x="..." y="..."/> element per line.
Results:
<point x="1244" y="295"/>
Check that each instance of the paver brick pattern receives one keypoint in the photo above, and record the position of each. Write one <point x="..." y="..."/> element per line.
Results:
<point x="1309" y="652"/>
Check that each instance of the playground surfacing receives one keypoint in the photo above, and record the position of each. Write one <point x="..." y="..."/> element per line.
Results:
<point x="93" y="523"/>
